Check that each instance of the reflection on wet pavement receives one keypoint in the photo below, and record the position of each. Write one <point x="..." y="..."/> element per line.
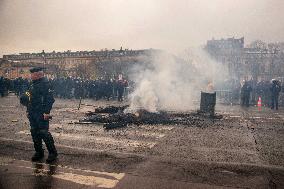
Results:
<point x="43" y="175"/>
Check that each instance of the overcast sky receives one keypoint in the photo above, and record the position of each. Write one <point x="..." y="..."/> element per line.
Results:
<point x="34" y="25"/>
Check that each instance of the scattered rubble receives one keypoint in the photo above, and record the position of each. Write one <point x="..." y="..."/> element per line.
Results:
<point x="114" y="117"/>
<point x="108" y="109"/>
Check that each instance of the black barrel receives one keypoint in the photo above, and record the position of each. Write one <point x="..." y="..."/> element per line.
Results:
<point x="208" y="102"/>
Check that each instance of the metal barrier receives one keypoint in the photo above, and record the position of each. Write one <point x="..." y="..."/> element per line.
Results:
<point x="225" y="96"/>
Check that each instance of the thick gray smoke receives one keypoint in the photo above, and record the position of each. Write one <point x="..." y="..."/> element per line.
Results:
<point x="169" y="83"/>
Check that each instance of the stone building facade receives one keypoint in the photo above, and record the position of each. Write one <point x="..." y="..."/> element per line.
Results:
<point x="86" y="64"/>
<point x="247" y="63"/>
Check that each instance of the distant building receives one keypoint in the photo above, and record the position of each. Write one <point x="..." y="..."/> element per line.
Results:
<point x="246" y="63"/>
<point x="89" y="64"/>
<point x="225" y="46"/>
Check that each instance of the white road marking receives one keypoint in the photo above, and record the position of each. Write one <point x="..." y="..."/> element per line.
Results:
<point x="101" y="131"/>
<point x="63" y="146"/>
<point x="88" y="180"/>
<point x="159" y="128"/>
<point x="234" y="116"/>
<point x="266" y="118"/>
<point x="3" y="106"/>
<point x="101" y="140"/>
<point x="256" y="118"/>
<point x="97" y="179"/>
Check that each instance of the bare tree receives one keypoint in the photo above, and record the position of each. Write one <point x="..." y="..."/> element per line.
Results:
<point x="258" y="44"/>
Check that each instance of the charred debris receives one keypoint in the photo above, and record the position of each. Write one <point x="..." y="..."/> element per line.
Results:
<point x="113" y="117"/>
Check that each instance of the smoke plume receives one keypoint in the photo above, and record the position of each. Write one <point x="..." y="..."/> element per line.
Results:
<point x="169" y="83"/>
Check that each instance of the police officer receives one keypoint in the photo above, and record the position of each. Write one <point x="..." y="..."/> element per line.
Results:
<point x="39" y="100"/>
<point x="245" y="94"/>
<point x="275" y="90"/>
<point x="2" y="87"/>
<point x="121" y="84"/>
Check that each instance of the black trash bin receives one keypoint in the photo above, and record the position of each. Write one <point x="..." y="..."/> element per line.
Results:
<point x="207" y="103"/>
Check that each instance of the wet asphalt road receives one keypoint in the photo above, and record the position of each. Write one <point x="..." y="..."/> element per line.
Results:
<point x="242" y="150"/>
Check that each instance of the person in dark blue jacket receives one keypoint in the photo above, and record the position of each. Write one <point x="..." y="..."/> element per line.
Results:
<point x="2" y="87"/>
<point x="39" y="100"/>
<point x="245" y="94"/>
<point x="275" y="90"/>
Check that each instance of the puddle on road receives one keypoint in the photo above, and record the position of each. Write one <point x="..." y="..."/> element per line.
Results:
<point x="78" y="176"/>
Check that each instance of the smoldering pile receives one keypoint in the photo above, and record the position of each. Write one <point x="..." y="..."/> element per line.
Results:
<point x="115" y="117"/>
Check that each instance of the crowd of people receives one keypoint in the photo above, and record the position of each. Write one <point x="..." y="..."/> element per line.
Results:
<point x="18" y="86"/>
<point x="95" y="89"/>
<point x="266" y="91"/>
<point x="4" y="86"/>
<point x="68" y="87"/>
<point x="245" y="93"/>
<point x="248" y="93"/>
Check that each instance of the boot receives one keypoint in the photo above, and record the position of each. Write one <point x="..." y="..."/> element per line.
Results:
<point x="37" y="156"/>
<point x="51" y="157"/>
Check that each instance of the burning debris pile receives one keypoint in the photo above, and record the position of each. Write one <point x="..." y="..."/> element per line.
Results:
<point x="114" y="117"/>
<point x="164" y="83"/>
<point x="107" y="110"/>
